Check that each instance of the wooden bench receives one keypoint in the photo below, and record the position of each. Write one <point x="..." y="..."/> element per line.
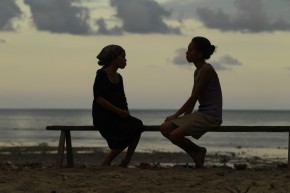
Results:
<point x="65" y="137"/>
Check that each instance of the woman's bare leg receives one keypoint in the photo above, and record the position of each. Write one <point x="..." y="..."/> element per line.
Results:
<point x="177" y="136"/>
<point x="130" y="152"/>
<point x="112" y="155"/>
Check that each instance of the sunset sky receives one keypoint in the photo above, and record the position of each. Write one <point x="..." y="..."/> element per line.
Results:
<point x="48" y="50"/>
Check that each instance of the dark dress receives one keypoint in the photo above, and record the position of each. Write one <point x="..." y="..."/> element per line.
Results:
<point x="118" y="132"/>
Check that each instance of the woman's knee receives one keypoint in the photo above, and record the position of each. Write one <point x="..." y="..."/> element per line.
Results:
<point x="164" y="129"/>
<point x="137" y="124"/>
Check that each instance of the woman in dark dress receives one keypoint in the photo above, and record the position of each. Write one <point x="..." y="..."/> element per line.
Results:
<point x="110" y="109"/>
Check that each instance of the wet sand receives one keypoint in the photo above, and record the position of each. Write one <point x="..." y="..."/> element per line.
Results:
<point x="31" y="169"/>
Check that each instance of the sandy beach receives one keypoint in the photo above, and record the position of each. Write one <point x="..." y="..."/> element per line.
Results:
<point x="31" y="169"/>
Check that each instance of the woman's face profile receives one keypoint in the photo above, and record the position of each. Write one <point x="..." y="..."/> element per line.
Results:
<point x="121" y="61"/>
<point x="192" y="53"/>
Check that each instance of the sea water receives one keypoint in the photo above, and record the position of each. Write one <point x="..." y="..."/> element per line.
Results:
<point x="25" y="127"/>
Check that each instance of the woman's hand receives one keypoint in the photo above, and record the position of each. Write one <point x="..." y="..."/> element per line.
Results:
<point x="123" y="113"/>
<point x="170" y="118"/>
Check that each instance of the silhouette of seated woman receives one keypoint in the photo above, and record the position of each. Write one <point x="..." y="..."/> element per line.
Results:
<point x="110" y="112"/>
<point x="207" y="91"/>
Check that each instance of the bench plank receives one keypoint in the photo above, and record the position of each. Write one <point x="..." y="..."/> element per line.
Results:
<point x="156" y="128"/>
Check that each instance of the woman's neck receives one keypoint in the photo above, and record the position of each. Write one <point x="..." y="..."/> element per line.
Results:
<point x="199" y="64"/>
<point x="111" y="70"/>
<point x="112" y="74"/>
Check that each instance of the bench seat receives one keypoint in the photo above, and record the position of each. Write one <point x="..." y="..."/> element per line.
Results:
<point x="65" y="137"/>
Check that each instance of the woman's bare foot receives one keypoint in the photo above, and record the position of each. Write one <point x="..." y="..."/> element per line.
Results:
<point x="124" y="163"/>
<point x="199" y="157"/>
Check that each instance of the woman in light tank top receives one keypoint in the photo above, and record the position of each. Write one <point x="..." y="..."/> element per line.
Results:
<point x="207" y="91"/>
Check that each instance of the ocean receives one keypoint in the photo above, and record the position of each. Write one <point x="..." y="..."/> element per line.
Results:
<point x="26" y="127"/>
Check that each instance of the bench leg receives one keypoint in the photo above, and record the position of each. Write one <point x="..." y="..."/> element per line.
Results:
<point x="69" y="152"/>
<point x="60" y="152"/>
<point x="289" y="151"/>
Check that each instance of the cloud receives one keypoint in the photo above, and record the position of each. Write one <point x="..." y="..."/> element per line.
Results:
<point x="2" y="41"/>
<point x="226" y="59"/>
<point x="186" y="9"/>
<point x="143" y="16"/>
<point x="59" y="16"/>
<point x="103" y="29"/>
<point x="8" y="11"/>
<point x="250" y="17"/>
<point x="223" y="63"/>
<point x="68" y="16"/>
<point x="218" y="66"/>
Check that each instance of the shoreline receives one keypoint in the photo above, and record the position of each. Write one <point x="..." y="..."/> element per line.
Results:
<point x="45" y="155"/>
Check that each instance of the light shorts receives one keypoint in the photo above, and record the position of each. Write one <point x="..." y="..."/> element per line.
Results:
<point x="196" y="124"/>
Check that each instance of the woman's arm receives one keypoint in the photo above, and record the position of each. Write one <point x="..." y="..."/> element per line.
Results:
<point x="199" y="85"/>
<point x="110" y="107"/>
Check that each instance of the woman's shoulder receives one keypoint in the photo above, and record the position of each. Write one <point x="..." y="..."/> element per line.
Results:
<point x="204" y="68"/>
<point x="101" y="73"/>
<point x="205" y="71"/>
<point x="207" y="68"/>
<point x="120" y="76"/>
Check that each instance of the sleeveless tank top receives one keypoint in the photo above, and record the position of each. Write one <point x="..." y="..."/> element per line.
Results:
<point x="210" y="101"/>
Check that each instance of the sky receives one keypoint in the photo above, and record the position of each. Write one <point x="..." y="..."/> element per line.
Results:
<point x="48" y="51"/>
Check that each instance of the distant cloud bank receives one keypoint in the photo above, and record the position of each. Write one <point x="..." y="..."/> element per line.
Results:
<point x="250" y="17"/>
<point x="225" y="62"/>
<point x="143" y="16"/>
<point x="137" y="16"/>
<point x="59" y="16"/>
<point x="8" y="11"/>
<point x="149" y="16"/>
